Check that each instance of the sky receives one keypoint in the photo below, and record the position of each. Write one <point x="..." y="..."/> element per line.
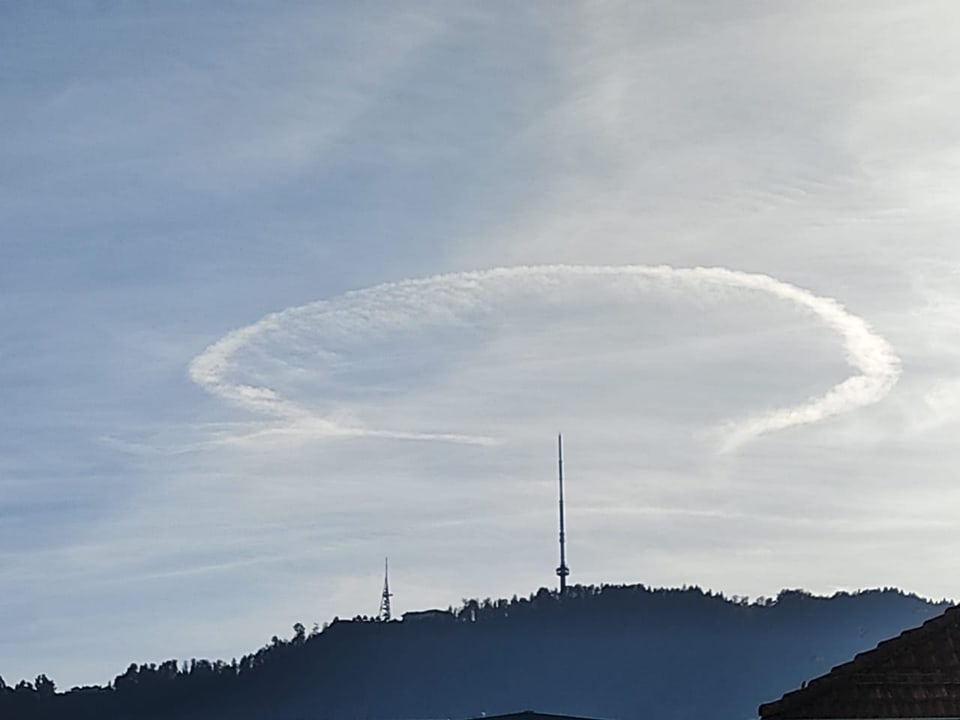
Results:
<point x="286" y="288"/>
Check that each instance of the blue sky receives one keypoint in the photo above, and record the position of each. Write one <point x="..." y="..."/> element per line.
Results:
<point x="253" y="337"/>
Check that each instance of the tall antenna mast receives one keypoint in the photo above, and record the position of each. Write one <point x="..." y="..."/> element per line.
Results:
<point x="385" y="597"/>
<point x="563" y="570"/>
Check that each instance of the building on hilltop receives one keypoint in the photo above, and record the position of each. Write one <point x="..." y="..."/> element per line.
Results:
<point x="914" y="675"/>
<point x="433" y="614"/>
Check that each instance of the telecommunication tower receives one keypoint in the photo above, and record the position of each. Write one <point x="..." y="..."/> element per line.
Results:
<point x="562" y="570"/>
<point x="385" y="615"/>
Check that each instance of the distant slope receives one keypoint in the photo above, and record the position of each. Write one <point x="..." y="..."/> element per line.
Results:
<point x="614" y="652"/>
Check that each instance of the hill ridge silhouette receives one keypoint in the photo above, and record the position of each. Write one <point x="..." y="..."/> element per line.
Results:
<point x="608" y="651"/>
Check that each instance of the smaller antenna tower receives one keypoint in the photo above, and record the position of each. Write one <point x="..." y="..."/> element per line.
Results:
<point x="385" y="615"/>
<point x="563" y="570"/>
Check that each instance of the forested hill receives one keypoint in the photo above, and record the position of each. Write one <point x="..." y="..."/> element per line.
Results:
<point x="609" y="652"/>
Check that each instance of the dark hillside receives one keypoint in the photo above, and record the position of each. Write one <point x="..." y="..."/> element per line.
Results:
<point x="617" y="652"/>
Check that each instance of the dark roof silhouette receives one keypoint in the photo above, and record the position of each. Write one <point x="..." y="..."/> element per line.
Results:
<point x="914" y="675"/>
<point x="532" y="715"/>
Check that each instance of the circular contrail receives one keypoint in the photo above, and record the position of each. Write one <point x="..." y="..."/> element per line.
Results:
<point x="450" y="298"/>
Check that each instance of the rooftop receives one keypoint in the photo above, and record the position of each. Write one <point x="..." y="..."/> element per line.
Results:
<point x="914" y="675"/>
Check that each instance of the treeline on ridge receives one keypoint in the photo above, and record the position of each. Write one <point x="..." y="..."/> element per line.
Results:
<point x="604" y="651"/>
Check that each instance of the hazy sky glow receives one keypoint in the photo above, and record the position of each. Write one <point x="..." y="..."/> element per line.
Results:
<point x="286" y="289"/>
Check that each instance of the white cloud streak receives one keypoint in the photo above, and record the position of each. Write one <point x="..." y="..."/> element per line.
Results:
<point x="451" y="298"/>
